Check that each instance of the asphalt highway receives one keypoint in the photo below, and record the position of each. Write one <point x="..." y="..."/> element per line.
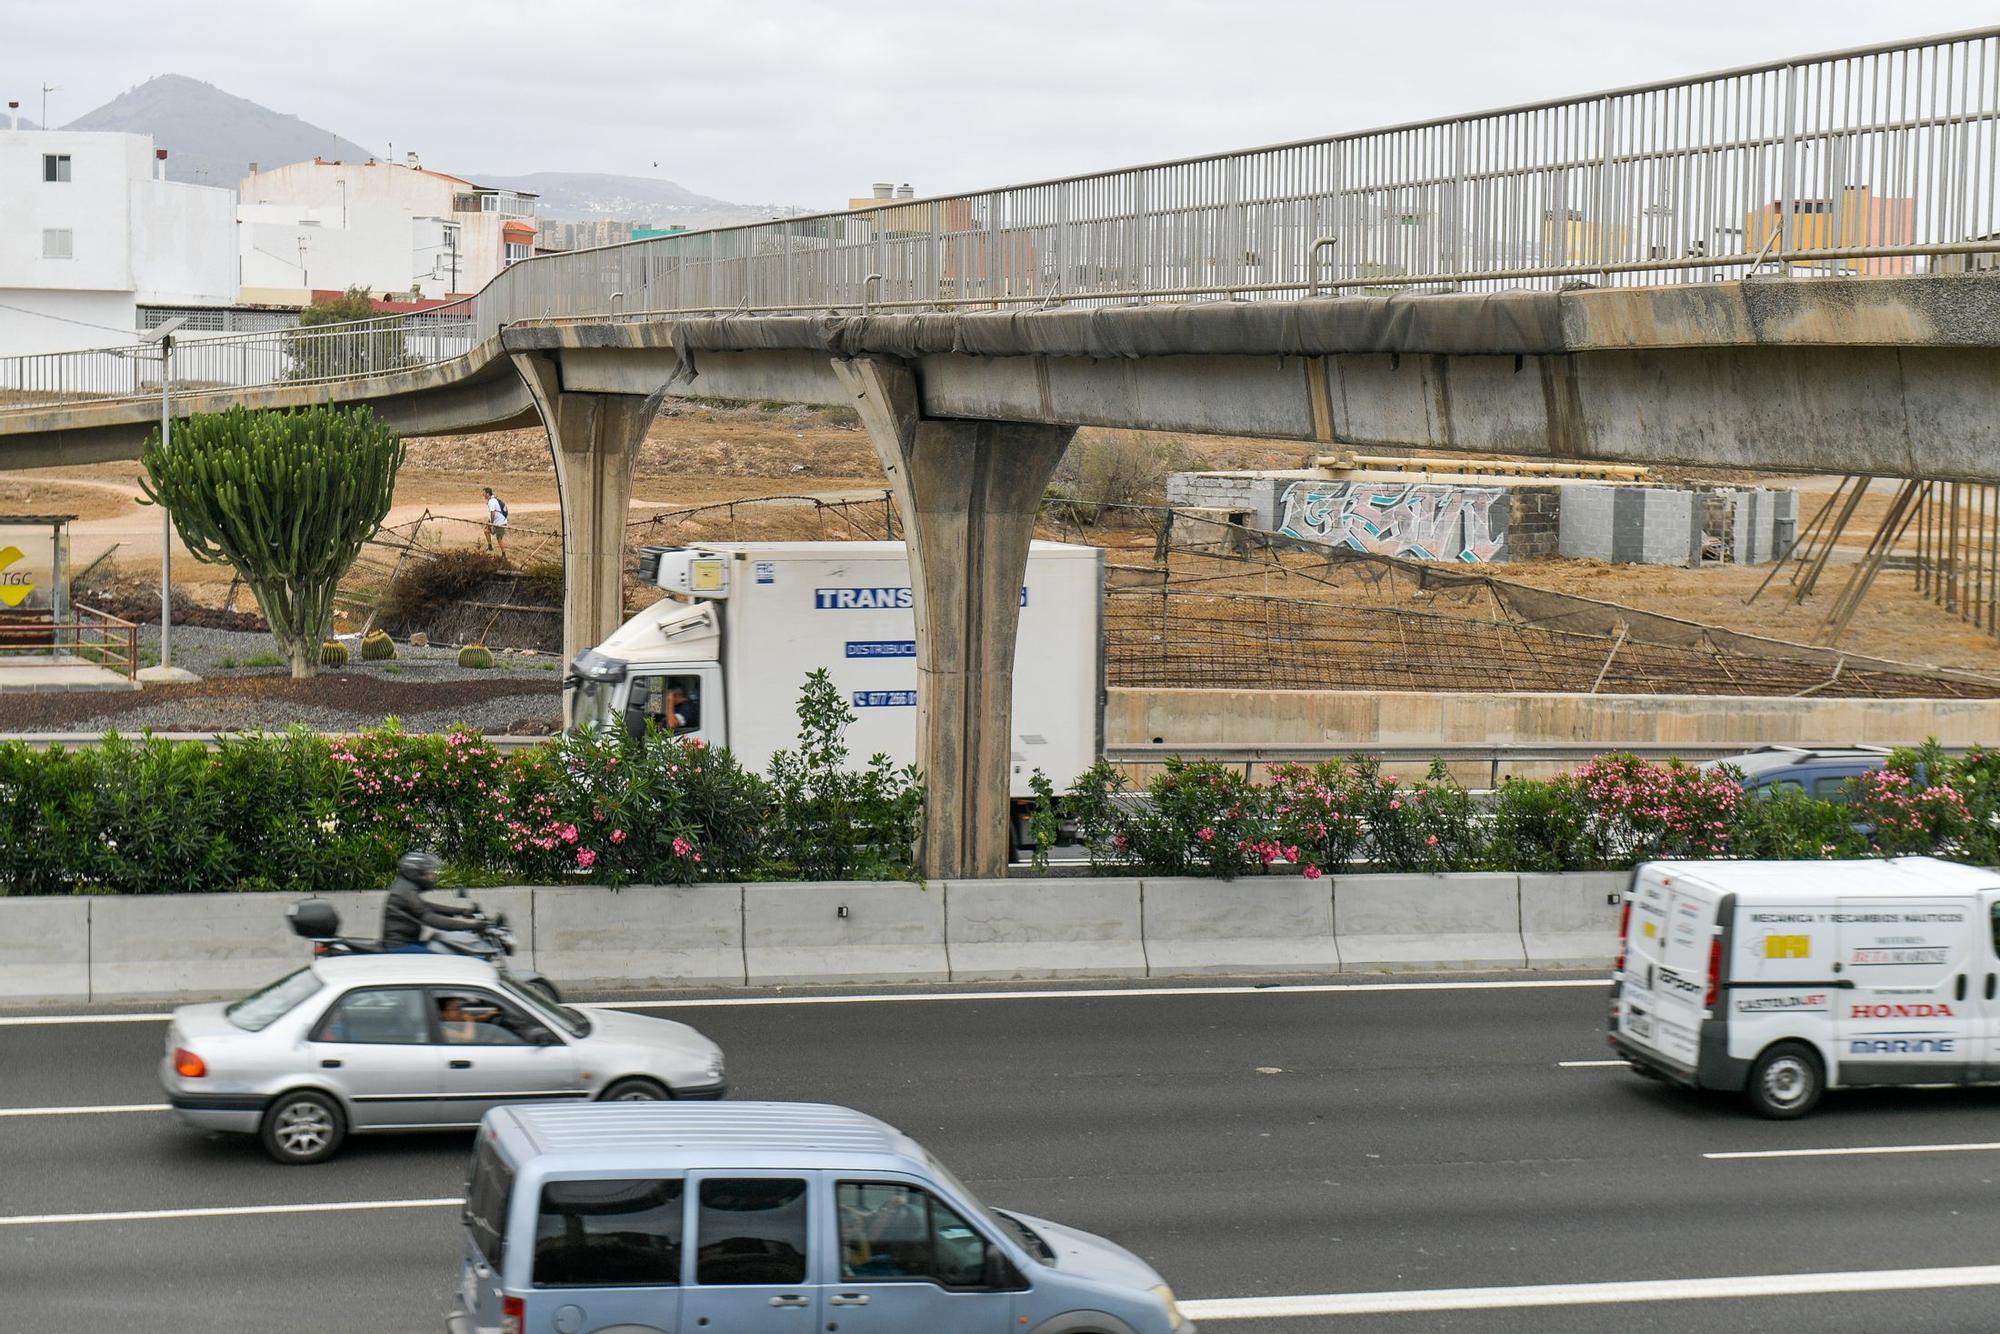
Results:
<point x="1253" y="1144"/>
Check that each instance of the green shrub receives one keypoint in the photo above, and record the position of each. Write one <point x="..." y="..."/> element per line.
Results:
<point x="476" y="656"/>
<point x="1783" y="823"/>
<point x="1541" y="826"/>
<point x="827" y="823"/>
<point x="376" y="646"/>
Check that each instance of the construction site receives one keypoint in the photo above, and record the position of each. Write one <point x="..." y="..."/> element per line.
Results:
<point x="1734" y="587"/>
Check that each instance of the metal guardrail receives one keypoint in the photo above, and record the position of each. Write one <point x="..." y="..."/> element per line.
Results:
<point x="1869" y="160"/>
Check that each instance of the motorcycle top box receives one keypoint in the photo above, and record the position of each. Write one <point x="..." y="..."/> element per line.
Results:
<point x="315" y="919"/>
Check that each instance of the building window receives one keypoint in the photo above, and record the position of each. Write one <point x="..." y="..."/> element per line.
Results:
<point x="518" y="251"/>
<point x="56" y="243"/>
<point x="55" y="166"/>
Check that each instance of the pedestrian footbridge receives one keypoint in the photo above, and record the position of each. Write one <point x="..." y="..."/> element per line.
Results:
<point x="1786" y="266"/>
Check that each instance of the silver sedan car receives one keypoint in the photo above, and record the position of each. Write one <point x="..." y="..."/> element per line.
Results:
<point x="372" y="1042"/>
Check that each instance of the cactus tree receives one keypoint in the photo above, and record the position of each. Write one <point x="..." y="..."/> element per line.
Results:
<point x="287" y="498"/>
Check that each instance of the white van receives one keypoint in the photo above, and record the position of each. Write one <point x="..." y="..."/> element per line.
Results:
<point x="1782" y="979"/>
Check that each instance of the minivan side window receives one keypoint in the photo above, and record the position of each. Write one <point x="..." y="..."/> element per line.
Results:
<point x="890" y="1231"/>
<point x="751" y="1230"/>
<point x="600" y="1234"/>
<point x="486" y="1198"/>
<point x="1996" y="929"/>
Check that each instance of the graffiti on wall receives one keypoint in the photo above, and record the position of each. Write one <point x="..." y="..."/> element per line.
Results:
<point x="1413" y="520"/>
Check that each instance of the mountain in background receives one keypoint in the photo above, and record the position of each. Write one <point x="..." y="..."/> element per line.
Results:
<point x="582" y="196"/>
<point x="212" y="137"/>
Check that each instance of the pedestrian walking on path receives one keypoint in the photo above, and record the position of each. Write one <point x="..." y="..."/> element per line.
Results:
<point x="496" y="523"/>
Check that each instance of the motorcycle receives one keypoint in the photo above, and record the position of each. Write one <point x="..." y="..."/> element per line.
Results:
<point x="491" y="940"/>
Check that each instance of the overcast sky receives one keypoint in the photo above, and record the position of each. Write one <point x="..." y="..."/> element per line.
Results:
<point x="808" y="101"/>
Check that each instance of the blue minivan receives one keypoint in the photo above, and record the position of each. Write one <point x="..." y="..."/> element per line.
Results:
<point x="662" y="1217"/>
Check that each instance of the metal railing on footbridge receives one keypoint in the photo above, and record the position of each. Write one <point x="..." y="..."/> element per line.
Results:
<point x="1877" y="160"/>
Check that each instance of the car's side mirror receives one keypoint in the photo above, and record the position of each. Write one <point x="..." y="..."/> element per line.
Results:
<point x="543" y="1037"/>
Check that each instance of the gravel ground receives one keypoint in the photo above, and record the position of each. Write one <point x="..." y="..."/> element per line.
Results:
<point x="426" y="688"/>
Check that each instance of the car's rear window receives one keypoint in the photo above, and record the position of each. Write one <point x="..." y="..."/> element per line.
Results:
<point x="260" y="1010"/>
<point x="486" y="1199"/>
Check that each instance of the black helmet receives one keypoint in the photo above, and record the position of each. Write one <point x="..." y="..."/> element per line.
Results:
<point x="419" y="867"/>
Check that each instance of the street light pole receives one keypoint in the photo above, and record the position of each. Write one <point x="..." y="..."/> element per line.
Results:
<point x="166" y="671"/>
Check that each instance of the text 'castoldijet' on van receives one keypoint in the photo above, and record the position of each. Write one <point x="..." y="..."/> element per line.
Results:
<point x="1783" y="979"/>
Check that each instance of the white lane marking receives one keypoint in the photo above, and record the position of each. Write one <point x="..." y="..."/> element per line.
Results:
<point x="1118" y="992"/>
<point x="1281" y="989"/>
<point x="231" y="1211"/>
<point x="84" y="1111"/>
<point x="31" y="1020"/>
<point x="1860" y="1151"/>
<point x="1590" y="1065"/>
<point x="1590" y="1294"/>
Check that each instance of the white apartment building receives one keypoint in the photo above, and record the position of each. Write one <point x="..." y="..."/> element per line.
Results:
<point x="90" y="231"/>
<point x="379" y="226"/>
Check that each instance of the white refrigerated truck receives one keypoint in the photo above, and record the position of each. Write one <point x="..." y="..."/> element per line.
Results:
<point x="728" y="650"/>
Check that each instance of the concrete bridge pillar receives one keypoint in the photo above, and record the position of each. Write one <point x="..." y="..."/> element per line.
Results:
<point x="967" y="492"/>
<point x="595" y="439"/>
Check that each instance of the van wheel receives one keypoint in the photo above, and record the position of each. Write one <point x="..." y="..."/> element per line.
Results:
<point x="636" y="1090"/>
<point x="1786" y="1081"/>
<point x="302" y="1127"/>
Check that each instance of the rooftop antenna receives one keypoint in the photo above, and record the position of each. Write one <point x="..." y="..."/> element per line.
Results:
<point x="48" y="88"/>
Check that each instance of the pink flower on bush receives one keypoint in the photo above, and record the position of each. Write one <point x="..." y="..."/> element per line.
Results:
<point x="618" y="836"/>
<point x="1311" y="872"/>
<point x="585" y="858"/>
<point x="1395" y="805"/>
<point x="1206" y="834"/>
<point x="1432" y="840"/>
<point x="681" y="846"/>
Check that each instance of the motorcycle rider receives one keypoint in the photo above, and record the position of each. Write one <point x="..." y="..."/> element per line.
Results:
<point x="406" y="912"/>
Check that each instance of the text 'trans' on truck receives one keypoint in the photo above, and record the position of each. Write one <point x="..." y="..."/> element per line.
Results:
<point x="727" y="651"/>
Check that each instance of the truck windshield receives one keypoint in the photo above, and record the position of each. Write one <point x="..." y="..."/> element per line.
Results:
<point x="596" y="704"/>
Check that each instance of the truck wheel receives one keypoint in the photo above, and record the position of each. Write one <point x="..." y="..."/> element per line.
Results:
<point x="302" y="1127"/>
<point x="1786" y="1081"/>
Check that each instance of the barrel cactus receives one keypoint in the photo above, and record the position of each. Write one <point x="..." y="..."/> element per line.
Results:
<point x="287" y="498"/>
<point x="376" y="646"/>
<point x="333" y="653"/>
<point x="475" y="655"/>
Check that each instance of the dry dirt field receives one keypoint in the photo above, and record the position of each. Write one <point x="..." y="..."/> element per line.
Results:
<point x="702" y="455"/>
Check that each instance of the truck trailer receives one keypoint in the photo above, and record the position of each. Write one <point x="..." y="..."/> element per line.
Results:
<point x="722" y="657"/>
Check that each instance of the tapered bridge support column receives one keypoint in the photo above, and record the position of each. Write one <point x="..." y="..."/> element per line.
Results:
<point x="595" y="439"/>
<point x="968" y="492"/>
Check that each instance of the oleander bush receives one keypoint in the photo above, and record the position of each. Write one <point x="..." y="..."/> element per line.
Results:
<point x="300" y="811"/>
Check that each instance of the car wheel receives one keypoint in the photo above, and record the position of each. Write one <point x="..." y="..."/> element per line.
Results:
<point x="546" y="989"/>
<point x="1786" y="1081"/>
<point x="303" y="1127"/>
<point x="636" y="1090"/>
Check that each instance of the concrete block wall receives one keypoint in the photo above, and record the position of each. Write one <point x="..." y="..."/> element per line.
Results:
<point x="1257" y="493"/>
<point x="1534" y="522"/>
<point x="174" y="948"/>
<point x="1641" y="525"/>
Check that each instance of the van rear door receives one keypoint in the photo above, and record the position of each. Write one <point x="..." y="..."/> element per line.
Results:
<point x="489" y="1194"/>
<point x="1681" y="982"/>
<point x="1909" y="1018"/>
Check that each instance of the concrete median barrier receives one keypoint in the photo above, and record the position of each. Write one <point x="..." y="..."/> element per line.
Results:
<point x="1274" y="924"/>
<point x="594" y="939"/>
<point x="892" y="932"/>
<point x="1002" y="929"/>
<point x="1570" y="920"/>
<point x="203" y="947"/>
<point x="1415" y="922"/>
<point x="44" y="949"/>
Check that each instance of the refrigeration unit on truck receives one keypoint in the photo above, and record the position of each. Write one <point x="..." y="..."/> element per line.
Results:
<point x="1782" y="979"/>
<point x="723" y="657"/>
